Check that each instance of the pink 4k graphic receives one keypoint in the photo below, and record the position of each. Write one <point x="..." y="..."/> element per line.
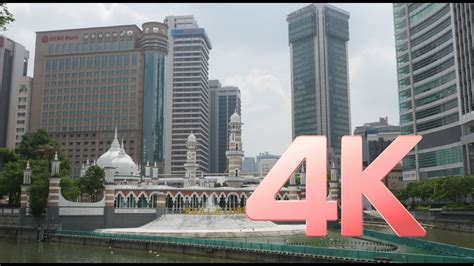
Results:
<point x="316" y="210"/>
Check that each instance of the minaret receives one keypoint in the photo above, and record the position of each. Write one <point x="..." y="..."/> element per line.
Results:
<point x="154" y="171"/>
<point x="191" y="165"/>
<point x="24" y="198"/>
<point x="27" y="175"/>
<point x="235" y="153"/>
<point x="55" y="165"/>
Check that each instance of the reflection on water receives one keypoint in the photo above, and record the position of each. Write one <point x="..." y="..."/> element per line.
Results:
<point x="462" y="239"/>
<point x="18" y="251"/>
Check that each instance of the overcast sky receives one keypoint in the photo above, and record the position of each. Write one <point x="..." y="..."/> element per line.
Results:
<point x="249" y="50"/>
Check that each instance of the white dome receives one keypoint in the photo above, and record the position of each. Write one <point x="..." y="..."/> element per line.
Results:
<point x="124" y="165"/>
<point x="191" y="137"/>
<point x="113" y="152"/>
<point x="235" y="118"/>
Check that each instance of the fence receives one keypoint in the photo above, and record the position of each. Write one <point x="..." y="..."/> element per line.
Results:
<point x="424" y="244"/>
<point x="273" y="248"/>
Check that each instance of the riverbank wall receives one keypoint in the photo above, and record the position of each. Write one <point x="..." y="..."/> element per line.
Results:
<point x="208" y="251"/>
<point x="462" y="221"/>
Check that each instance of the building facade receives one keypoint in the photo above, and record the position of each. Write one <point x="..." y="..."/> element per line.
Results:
<point x="249" y="166"/>
<point x="224" y="101"/>
<point x="318" y="36"/>
<point x="13" y="104"/>
<point x="463" y="19"/>
<point x="376" y="136"/>
<point x="428" y="90"/>
<point x="187" y="95"/>
<point x="265" y="162"/>
<point x="89" y="80"/>
<point x="20" y="112"/>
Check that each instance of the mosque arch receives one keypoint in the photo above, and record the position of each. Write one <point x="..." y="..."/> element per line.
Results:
<point x="233" y="201"/>
<point x="142" y="201"/>
<point x="243" y="200"/>
<point x="222" y="201"/>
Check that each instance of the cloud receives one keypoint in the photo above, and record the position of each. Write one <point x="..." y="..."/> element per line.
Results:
<point x="265" y="111"/>
<point x="250" y="50"/>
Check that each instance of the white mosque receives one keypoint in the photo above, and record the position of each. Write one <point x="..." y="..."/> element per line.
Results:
<point x="135" y="188"/>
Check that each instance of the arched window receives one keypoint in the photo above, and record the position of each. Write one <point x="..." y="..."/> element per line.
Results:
<point x="142" y="202"/>
<point x="236" y="172"/>
<point x="237" y="146"/>
<point x="119" y="201"/>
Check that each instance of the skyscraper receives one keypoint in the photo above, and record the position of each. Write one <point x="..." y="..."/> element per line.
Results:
<point x="427" y="88"/>
<point x="87" y="81"/>
<point x="463" y="18"/>
<point x="318" y="36"/>
<point x="224" y="101"/>
<point x="13" y="67"/>
<point x="187" y="94"/>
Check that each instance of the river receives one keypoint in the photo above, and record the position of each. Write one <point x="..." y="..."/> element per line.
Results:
<point x="28" y="251"/>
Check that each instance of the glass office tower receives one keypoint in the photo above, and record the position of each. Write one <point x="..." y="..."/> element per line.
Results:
<point x="318" y="36"/>
<point x="428" y="90"/>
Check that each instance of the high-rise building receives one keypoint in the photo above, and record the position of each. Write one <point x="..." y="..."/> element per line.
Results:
<point x="249" y="166"/>
<point x="376" y="136"/>
<point x="13" y="67"/>
<point x="224" y="101"/>
<point x="463" y="20"/>
<point x="318" y="36"/>
<point x="265" y="162"/>
<point x="87" y="81"/>
<point x="427" y="88"/>
<point x="20" y="116"/>
<point x="187" y="94"/>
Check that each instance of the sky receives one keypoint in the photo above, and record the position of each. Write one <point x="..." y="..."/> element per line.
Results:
<point x="249" y="50"/>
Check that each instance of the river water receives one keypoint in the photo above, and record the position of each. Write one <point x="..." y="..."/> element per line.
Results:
<point x="25" y="251"/>
<point x="28" y="251"/>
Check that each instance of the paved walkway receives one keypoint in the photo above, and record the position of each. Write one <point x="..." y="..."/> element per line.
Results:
<point x="210" y="226"/>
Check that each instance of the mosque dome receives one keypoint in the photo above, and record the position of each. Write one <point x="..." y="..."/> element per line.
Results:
<point x="113" y="152"/>
<point x="124" y="165"/>
<point x="235" y="117"/>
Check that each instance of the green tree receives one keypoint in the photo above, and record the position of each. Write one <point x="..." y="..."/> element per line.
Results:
<point x="38" y="193"/>
<point x="92" y="182"/>
<point x="5" y="16"/>
<point x="70" y="188"/>
<point x="11" y="178"/>
<point x="6" y="156"/>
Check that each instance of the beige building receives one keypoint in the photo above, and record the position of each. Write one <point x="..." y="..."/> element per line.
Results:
<point x="20" y="112"/>
<point x="87" y="81"/>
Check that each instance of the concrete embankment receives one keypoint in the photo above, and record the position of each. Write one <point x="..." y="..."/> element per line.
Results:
<point x="188" y="249"/>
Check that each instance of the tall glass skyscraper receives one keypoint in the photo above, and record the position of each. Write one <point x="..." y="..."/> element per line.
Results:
<point x="463" y="18"/>
<point x="155" y="46"/>
<point x="428" y="90"/>
<point x="318" y="36"/>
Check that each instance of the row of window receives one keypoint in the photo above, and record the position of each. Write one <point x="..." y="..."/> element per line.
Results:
<point x="90" y="62"/>
<point x="107" y="45"/>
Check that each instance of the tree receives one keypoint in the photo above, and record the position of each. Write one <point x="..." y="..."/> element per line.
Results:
<point x="70" y="188"/>
<point x="38" y="193"/>
<point x="5" y="16"/>
<point x="11" y="179"/>
<point x="92" y="182"/>
<point x="6" y="156"/>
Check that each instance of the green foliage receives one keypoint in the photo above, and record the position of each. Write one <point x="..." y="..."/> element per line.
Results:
<point x="92" y="182"/>
<point x="70" y="188"/>
<point x="39" y="148"/>
<point x="449" y="189"/>
<point x="7" y="156"/>
<point x="5" y="16"/>
<point x="11" y="178"/>
<point x="38" y="193"/>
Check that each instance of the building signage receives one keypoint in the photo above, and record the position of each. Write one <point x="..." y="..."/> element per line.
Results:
<point x="409" y="175"/>
<point x="46" y="38"/>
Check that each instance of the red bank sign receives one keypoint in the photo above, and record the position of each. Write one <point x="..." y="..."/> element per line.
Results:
<point x="46" y="38"/>
<point x="356" y="182"/>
